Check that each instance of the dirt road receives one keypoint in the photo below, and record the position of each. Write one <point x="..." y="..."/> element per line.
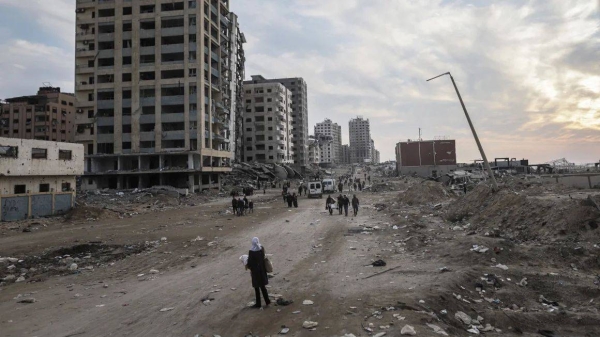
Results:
<point x="201" y="288"/>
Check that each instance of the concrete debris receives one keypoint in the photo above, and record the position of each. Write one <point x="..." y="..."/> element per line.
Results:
<point x="501" y="266"/>
<point x="309" y="324"/>
<point x="408" y="330"/>
<point x="308" y="302"/>
<point x="479" y="249"/>
<point x="380" y="334"/>
<point x="73" y="267"/>
<point x="27" y="300"/>
<point x="284" y="330"/>
<point x="166" y="309"/>
<point x="154" y="271"/>
<point x="437" y="329"/>
<point x="461" y="316"/>
<point x="20" y="279"/>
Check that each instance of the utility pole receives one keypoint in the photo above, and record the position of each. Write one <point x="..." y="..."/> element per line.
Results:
<point x="485" y="161"/>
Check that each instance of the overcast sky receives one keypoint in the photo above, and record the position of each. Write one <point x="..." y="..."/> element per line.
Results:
<point x="529" y="71"/>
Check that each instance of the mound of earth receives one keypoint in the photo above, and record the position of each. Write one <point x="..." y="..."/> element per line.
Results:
<point x="424" y="193"/>
<point x="519" y="216"/>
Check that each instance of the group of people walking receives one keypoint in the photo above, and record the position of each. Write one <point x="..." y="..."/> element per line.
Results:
<point x="343" y="202"/>
<point x="242" y="206"/>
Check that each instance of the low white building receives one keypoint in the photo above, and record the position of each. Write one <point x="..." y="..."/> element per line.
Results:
<point x="38" y="177"/>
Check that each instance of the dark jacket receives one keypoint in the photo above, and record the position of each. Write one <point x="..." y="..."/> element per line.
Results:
<point x="346" y="201"/>
<point x="256" y="263"/>
<point x="355" y="202"/>
<point x="329" y="201"/>
<point x="234" y="203"/>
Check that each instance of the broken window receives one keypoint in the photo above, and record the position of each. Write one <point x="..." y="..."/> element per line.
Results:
<point x="44" y="187"/>
<point x="65" y="154"/>
<point x="20" y="189"/>
<point x="9" y="151"/>
<point x="66" y="187"/>
<point x="37" y="153"/>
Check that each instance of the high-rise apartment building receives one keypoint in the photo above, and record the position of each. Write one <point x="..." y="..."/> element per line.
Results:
<point x="330" y="134"/>
<point x="49" y="115"/>
<point x="299" y="115"/>
<point x="237" y="61"/>
<point x="346" y="154"/>
<point x="267" y="123"/>
<point x="377" y="157"/>
<point x="360" y="140"/>
<point x="314" y="152"/>
<point x="155" y="92"/>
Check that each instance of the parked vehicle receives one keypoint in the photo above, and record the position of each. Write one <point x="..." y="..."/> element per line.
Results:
<point x="315" y="189"/>
<point x="329" y="186"/>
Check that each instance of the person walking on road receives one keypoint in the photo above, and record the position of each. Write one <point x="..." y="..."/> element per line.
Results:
<point x="240" y="207"/>
<point x="346" y="204"/>
<point x="258" y="271"/>
<point x="251" y="206"/>
<point x="295" y="200"/>
<point x="300" y="190"/>
<point x="329" y="203"/>
<point x="340" y="202"/>
<point x="234" y="204"/>
<point x="355" y="204"/>
<point x="341" y="187"/>
<point x="290" y="200"/>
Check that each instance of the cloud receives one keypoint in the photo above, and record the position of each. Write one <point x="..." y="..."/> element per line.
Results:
<point x="527" y="71"/>
<point x="25" y="66"/>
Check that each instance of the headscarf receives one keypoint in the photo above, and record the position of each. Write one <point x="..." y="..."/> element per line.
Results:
<point x="255" y="245"/>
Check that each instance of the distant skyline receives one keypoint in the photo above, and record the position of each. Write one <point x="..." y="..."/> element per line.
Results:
<point x="528" y="71"/>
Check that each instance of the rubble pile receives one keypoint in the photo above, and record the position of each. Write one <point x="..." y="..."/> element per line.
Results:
<point x="251" y="174"/>
<point x="525" y="217"/>
<point x="102" y="204"/>
<point x="70" y="260"/>
<point x="425" y="192"/>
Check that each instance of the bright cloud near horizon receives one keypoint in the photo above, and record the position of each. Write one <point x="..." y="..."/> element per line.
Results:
<point x="528" y="71"/>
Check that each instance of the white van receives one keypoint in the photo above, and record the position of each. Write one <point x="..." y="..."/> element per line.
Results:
<point x="329" y="186"/>
<point x="315" y="189"/>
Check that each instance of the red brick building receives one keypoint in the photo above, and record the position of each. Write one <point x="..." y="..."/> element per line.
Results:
<point x="426" y="157"/>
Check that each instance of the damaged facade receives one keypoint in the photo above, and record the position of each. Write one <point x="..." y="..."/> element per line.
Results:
<point x="298" y="115"/>
<point x="37" y="177"/>
<point x="426" y="157"/>
<point x="267" y="123"/>
<point x="48" y="115"/>
<point x="156" y="92"/>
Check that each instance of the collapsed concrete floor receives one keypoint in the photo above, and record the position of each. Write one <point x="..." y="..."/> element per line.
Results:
<point x="519" y="262"/>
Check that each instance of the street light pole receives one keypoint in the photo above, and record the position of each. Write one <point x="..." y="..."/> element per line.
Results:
<point x="485" y="161"/>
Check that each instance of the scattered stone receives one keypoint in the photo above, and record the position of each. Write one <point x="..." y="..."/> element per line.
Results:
<point x="479" y="249"/>
<point x="381" y="334"/>
<point x="154" y="271"/>
<point x="523" y="282"/>
<point x="501" y="266"/>
<point x="308" y="302"/>
<point x="379" y="263"/>
<point x="437" y="329"/>
<point x="105" y="285"/>
<point x="473" y="330"/>
<point x="309" y="325"/>
<point x="166" y="309"/>
<point x="20" y="279"/>
<point x="73" y="267"/>
<point x="27" y="300"/>
<point x="9" y="278"/>
<point x="163" y="239"/>
<point x="408" y="330"/>
<point x="461" y="316"/>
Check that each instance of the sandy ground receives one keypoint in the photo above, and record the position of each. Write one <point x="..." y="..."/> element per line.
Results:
<point x="204" y="290"/>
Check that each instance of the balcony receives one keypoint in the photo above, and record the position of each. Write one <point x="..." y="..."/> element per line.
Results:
<point x="83" y="69"/>
<point x="172" y="100"/>
<point x="147" y="136"/>
<point x="147" y="33"/>
<point x="172" y="118"/>
<point x="173" y="31"/>
<point x="173" y="135"/>
<point x="147" y="119"/>
<point x="172" y="48"/>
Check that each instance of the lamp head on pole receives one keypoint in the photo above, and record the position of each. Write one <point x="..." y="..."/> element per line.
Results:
<point x="433" y="78"/>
